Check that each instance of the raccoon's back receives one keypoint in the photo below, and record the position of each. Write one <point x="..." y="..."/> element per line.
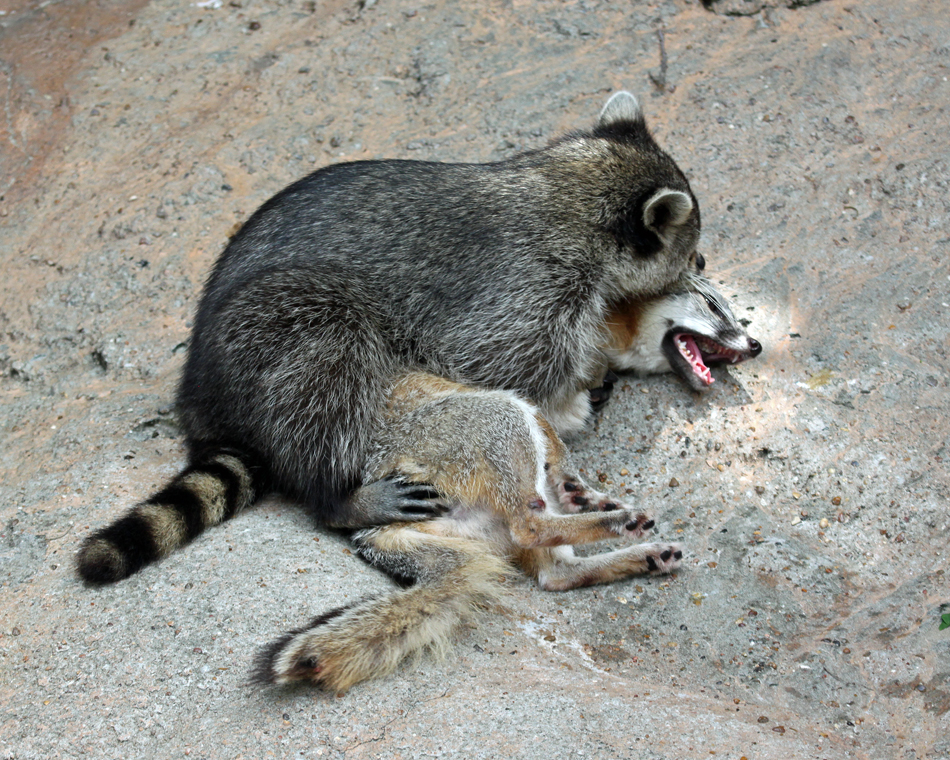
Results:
<point x="361" y="270"/>
<point x="478" y="272"/>
<point x="296" y="369"/>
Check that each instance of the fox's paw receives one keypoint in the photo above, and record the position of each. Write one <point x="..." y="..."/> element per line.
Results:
<point x="305" y="655"/>
<point x="634" y="526"/>
<point x="662" y="558"/>
<point x="601" y="395"/>
<point x="575" y="497"/>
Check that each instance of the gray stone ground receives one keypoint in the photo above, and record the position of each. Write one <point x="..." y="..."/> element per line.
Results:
<point x="813" y="484"/>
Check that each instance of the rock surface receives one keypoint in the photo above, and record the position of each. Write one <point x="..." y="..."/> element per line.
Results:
<point x="813" y="482"/>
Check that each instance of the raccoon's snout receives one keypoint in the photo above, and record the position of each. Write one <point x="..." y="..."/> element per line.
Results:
<point x="755" y="348"/>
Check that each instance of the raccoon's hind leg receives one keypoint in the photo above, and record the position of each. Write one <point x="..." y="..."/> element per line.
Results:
<point x="558" y="569"/>
<point x="217" y="485"/>
<point x="369" y="639"/>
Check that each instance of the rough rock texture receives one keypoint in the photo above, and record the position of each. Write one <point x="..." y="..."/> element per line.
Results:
<point x="812" y="483"/>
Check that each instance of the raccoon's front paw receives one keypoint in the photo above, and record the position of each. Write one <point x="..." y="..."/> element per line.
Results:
<point x="393" y="499"/>
<point x="415" y="501"/>
<point x="663" y="558"/>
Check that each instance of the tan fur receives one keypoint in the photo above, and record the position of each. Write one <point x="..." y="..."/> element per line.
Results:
<point x="372" y="638"/>
<point x="622" y="323"/>
<point x="502" y="471"/>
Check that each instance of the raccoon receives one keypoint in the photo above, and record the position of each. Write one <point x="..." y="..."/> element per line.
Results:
<point x="493" y="275"/>
<point x="501" y="472"/>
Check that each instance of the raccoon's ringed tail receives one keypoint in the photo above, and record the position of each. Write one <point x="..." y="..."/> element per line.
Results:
<point x="211" y="490"/>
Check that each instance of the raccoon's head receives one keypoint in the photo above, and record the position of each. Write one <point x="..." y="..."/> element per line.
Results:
<point x="646" y="204"/>
<point x="683" y="331"/>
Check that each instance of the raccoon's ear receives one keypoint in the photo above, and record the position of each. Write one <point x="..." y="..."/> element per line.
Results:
<point x="622" y="107"/>
<point x="666" y="210"/>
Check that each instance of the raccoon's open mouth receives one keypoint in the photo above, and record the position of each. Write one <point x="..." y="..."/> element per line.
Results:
<point x="689" y="356"/>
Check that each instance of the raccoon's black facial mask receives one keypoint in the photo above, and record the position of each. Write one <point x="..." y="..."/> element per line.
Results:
<point x="690" y="355"/>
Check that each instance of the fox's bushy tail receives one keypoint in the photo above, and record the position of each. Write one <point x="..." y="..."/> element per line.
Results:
<point x="370" y="638"/>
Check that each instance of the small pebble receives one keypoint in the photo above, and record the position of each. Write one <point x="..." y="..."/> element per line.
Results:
<point x="674" y="483"/>
<point x="823" y="523"/>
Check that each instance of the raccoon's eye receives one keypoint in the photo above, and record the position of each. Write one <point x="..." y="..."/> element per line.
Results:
<point x="700" y="262"/>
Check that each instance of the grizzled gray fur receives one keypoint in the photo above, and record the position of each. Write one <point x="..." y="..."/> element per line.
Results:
<point x="489" y="274"/>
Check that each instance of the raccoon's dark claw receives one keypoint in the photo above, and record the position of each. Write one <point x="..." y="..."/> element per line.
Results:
<point x="390" y="500"/>
<point x="600" y="396"/>
<point x="415" y="501"/>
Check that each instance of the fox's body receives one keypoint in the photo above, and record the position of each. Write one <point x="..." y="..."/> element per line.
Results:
<point x="493" y="275"/>
<point x="500" y="471"/>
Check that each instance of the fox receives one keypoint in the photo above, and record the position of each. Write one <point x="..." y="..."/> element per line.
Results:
<point x="684" y="332"/>
<point x="510" y="497"/>
<point x="496" y="275"/>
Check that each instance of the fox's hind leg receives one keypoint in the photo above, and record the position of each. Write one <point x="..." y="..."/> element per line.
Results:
<point x="452" y="578"/>
<point x="575" y="496"/>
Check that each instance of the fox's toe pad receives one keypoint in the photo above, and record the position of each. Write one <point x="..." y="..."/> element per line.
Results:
<point x="663" y="558"/>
